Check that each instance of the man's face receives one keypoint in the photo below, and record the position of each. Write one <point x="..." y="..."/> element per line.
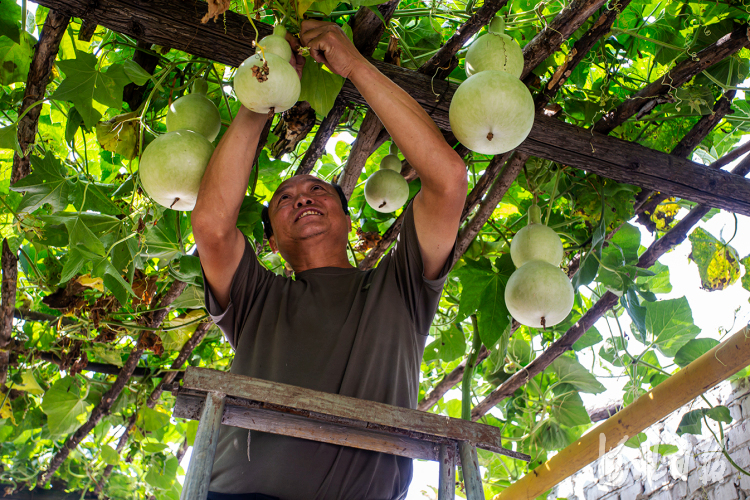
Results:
<point x="304" y="208"/>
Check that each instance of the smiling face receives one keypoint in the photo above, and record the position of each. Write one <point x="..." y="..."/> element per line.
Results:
<point x="303" y="211"/>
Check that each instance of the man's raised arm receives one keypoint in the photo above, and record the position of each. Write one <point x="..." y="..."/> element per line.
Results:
<point x="214" y="219"/>
<point x="437" y="207"/>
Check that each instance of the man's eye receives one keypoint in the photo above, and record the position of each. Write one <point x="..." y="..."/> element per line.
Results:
<point x="317" y="187"/>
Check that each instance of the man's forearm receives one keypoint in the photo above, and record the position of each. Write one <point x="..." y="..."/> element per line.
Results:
<point x="415" y="133"/>
<point x="226" y="178"/>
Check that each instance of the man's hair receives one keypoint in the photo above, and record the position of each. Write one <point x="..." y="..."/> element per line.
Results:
<point x="268" y="230"/>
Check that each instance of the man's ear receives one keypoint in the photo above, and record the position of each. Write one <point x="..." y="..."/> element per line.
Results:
<point x="272" y="244"/>
<point x="349" y="219"/>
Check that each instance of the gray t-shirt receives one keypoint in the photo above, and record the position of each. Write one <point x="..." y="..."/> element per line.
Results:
<point x="342" y="331"/>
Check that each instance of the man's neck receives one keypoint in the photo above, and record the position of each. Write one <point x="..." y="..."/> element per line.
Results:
<point x="317" y="256"/>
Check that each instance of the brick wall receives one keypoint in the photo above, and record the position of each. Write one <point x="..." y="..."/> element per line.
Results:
<point x="697" y="471"/>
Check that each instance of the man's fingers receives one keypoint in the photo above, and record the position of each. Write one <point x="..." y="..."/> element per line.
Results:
<point x="293" y="41"/>
<point x="309" y="24"/>
<point x="306" y="37"/>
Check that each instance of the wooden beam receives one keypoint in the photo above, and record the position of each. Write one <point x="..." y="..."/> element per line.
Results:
<point x="239" y="414"/>
<point x="168" y="22"/>
<point x="716" y="365"/>
<point x="336" y="407"/>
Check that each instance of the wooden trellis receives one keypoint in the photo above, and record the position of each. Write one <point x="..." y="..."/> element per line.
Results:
<point x="175" y="23"/>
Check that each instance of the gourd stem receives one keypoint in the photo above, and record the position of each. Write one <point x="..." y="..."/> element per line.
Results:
<point x="535" y="214"/>
<point x="497" y="25"/>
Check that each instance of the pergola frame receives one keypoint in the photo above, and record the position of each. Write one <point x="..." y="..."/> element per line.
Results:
<point x="173" y="24"/>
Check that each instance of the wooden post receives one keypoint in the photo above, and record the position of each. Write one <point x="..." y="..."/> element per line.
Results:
<point x="690" y="382"/>
<point x="447" y="481"/>
<point x="202" y="460"/>
<point x="470" y="468"/>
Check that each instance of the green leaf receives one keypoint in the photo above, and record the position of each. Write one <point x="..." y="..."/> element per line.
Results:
<point x="693" y="350"/>
<point x="324" y="6"/>
<point x="162" y="241"/>
<point x="589" y="264"/>
<point x="664" y="449"/>
<point x="719" y="414"/>
<point x="449" y="346"/>
<point x="74" y="122"/>
<point x="9" y="138"/>
<point x="192" y="430"/>
<point x="135" y="72"/>
<point x="588" y="339"/>
<point x="718" y="263"/>
<point x="161" y="473"/>
<point x="46" y="184"/>
<point x="691" y="422"/>
<point x="484" y="292"/>
<point x="65" y="406"/>
<point x="15" y="59"/>
<point x="568" y="410"/>
<point x="659" y="282"/>
<point x="84" y="83"/>
<point x="636" y="441"/>
<point x="570" y="371"/>
<point x="670" y="323"/>
<point x="109" y="455"/>
<point x="10" y="20"/>
<point x="553" y="437"/>
<point x="150" y="420"/>
<point x="319" y="86"/>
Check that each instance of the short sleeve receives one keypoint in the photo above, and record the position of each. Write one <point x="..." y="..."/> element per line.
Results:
<point x="422" y="295"/>
<point x="246" y="285"/>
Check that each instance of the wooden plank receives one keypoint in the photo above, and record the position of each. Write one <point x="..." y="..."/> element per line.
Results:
<point x="202" y="459"/>
<point x="371" y="414"/>
<point x="447" y="479"/>
<point x="176" y="23"/>
<point x="246" y="417"/>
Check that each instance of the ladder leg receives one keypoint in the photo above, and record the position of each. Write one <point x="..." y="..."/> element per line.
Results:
<point x="202" y="459"/>
<point x="470" y="468"/>
<point x="447" y="483"/>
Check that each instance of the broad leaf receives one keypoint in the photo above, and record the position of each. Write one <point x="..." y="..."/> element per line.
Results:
<point x="109" y="455"/>
<point x="693" y="350"/>
<point x="47" y="183"/>
<point x="588" y="339"/>
<point x="319" y="86"/>
<point x="65" y="406"/>
<point x="568" y="410"/>
<point x="84" y="83"/>
<point x="450" y="345"/>
<point x="570" y="371"/>
<point x="664" y="449"/>
<point x="9" y="139"/>
<point x="670" y="324"/>
<point x="484" y="292"/>
<point x="162" y="472"/>
<point x="15" y="58"/>
<point x="10" y="20"/>
<point x="718" y="263"/>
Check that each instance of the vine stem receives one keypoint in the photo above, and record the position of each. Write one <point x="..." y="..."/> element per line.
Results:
<point x="469" y="371"/>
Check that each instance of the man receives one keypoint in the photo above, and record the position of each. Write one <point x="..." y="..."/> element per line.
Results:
<point x="332" y="328"/>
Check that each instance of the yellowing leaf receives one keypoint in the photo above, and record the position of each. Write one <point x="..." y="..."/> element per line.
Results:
<point x="95" y="283"/>
<point x="6" y="411"/>
<point x="718" y="263"/>
<point x="665" y="214"/>
<point x="29" y="383"/>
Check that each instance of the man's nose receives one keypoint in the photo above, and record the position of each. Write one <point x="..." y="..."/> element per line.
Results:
<point x="302" y="200"/>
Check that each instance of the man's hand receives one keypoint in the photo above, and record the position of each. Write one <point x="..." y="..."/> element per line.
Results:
<point x="297" y="61"/>
<point x="329" y="45"/>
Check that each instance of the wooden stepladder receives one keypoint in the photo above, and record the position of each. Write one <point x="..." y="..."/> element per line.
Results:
<point x="216" y="398"/>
